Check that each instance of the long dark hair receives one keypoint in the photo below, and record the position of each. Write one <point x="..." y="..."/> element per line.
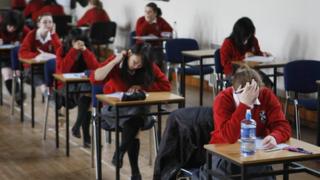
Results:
<point x="13" y="18"/>
<point x="143" y="76"/>
<point x="50" y="2"/>
<point x="75" y="35"/>
<point x="243" y="29"/>
<point x="155" y="8"/>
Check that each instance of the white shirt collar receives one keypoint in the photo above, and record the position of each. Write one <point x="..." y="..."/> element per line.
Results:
<point x="237" y="101"/>
<point x="45" y="40"/>
<point x="154" y="21"/>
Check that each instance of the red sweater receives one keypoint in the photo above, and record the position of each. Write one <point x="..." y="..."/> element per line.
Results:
<point x="66" y="64"/>
<point x="13" y="37"/>
<point x="229" y="53"/>
<point x="54" y="10"/>
<point x="143" y="28"/>
<point x="92" y="16"/>
<point x="29" y="46"/>
<point x="32" y="7"/>
<point x="268" y="116"/>
<point x="114" y="83"/>
<point x="18" y="4"/>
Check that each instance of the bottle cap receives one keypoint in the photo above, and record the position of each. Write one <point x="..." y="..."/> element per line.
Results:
<point x="248" y="114"/>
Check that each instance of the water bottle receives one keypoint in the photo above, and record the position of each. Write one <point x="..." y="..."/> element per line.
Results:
<point x="248" y="135"/>
<point x="174" y="30"/>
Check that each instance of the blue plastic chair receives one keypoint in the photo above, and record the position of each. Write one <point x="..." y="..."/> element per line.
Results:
<point x="49" y="70"/>
<point x="300" y="77"/>
<point x="174" y="56"/>
<point x="132" y="41"/>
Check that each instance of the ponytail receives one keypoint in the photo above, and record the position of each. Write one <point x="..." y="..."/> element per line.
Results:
<point x="155" y="8"/>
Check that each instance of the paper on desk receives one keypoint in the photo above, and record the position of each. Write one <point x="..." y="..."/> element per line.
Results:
<point x="149" y="37"/>
<point x="117" y="95"/>
<point x="7" y="46"/>
<point x="44" y="57"/>
<point x="74" y="75"/>
<point x="260" y="146"/>
<point x="260" y="58"/>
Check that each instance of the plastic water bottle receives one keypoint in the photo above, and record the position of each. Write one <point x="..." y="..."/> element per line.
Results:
<point x="248" y="135"/>
<point x="174" y="30"/>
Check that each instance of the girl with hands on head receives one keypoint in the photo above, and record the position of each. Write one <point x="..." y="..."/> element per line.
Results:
<point x="229" y="109"/>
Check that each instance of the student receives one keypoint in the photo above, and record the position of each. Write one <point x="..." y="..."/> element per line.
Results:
<point x="229" y="109"/>
<point x="130" y="71"/>
<point x="75" y="56"/>
<point x="49" y="6"/>
<point x="12" y="31"/>
<point x="32" y="7"/>
<point x="18" y="4"/>
<point x="95" y="14"/>
<point x="153" y="24"/>
<point x="240" y="44"/>
<point x="43" y="39"/>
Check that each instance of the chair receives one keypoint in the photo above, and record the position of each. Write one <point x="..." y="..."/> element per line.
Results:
<point x="132" y="41"/>
<point x="220" y="80"/>
<point x="174" y="57"/>
<point x="102" y="33"/>
<point x="300" y="77"/>
<point x="49" y="70"/>
<point x="62" y="24"/>
<point x="15" y="65"/>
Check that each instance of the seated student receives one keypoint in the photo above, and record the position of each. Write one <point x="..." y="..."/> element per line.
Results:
<point x="96" y="13"/>
<point x="43" y="39"/>
<point x="32" y="7"/>
<point x="12" y="31"/>
<point x="49" y="6"/>
<point x="229" y="109"/>
<point x="75" y="56"/>
<point x="18" y="4"/>
<point x="130" y="71"/>
<point x="153" y="24"/>
<point x="240" y="44"/>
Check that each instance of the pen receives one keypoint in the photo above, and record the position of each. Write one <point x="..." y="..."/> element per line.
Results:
<point x="299" y="150"/>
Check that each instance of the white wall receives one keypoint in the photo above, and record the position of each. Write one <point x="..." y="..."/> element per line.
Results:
<point x="289" y="29"/>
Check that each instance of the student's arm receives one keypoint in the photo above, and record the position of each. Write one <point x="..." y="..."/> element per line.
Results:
<point x="90" y="59"/>
<point x="55" y="40"/>
<point x="141" y="26"/>
<point x="226" y="57"/>
<point x="256" y="47"/>
<point x="102" y="73"/>
<point x="161" y="81"/>
<point x="26" y="50"/>
<point x="84" y="20"/>
<point x="165" y="26"/>
<point x="65" y="64"/>
<point x="227" y="120"/>
<point x="276" y="122"/>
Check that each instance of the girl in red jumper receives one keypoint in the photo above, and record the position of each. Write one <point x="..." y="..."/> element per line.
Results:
<point x="42" y="40"/>
<point x="12" y="31"/>
<point x="240" y="44"/>
<point x="18" y="4"/>
<point x="95" y="14"/>
<point x="49" y="6"/>
<point x="153" y="24"/>
<point x="229" y="109"/>
<point x="131" y="71"/>
<point x="75" y="56"/>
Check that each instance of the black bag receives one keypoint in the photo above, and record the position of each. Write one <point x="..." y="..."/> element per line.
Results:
<point x="140" y="95"/>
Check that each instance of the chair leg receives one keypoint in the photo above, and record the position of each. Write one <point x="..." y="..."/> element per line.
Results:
<point x="150" y="147"/>
<point x="108" y="137"/>
<point x="177" y="81"/>
<point x="46" y="116"/>
<point x="155" y="139"/>
<point x="286" y="104"/>
<point x="297" y="120"/>
<point x="13" y="94"/>
<point x="93" y="134"/>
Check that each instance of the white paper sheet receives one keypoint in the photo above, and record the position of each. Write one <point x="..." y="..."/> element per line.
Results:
<point x="260" y="58"/>
<point x="116" y="95"/>
<point x="44" y="57"/>
<point x="7" y="46"/>
<point x="74" y="75"/>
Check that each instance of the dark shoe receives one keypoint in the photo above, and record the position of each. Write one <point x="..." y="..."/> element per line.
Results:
<point x="18" y="98"/>
<point x="114" y="160"/>
<point x="86" y="144"/>
<point x="136" y="177"/>
<point x="148" y="123"/>
<point x="76" y="132"/>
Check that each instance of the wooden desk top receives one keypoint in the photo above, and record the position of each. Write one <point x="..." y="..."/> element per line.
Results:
<point x="152" y="98"/>
<point x="31" y="61"/>
<point x="199" y="53"/>
<point x="253" y="64"/>
<point x="151" y="38"/>
<point x="7" y="47"/>
<point x="61" y="78"/>
<point x="232" y="152"/>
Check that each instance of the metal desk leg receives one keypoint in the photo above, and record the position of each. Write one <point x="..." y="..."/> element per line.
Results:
<point x="32" y="96"/>
<point x="243" y="173"/>
<point x="201" y="81"/>
<point x="209" y="165"/>
<point x="159" y="124"/>
<point x="21" y="93"/>
<point x="1" y="94"/>
<point x="67" y="120"/>
<point x="275" y="74"/>
<point x="183" y="78"/>
<point x="285" y="171"/>
<point x="97" y="124"/>
<point x="318" y="122"/>
<point x="56" y="112"/>
<point x="117" y="144"/>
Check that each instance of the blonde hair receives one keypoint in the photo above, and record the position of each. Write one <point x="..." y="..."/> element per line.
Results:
<point x="245" y="74"/>
<point x="97" y="3"/>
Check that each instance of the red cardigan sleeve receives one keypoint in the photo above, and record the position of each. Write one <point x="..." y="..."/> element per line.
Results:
<point x="85" y="19"/>
<point x="25" y="50"/>
<point x="227" y="56"/>
<point x="140" y="26"/>
<point x="161" y="81"/>
<point x="92" y="77"/>
<point x="165" y="26"/>
<point x="90" y="59"/>
<point x="65" y="64"/>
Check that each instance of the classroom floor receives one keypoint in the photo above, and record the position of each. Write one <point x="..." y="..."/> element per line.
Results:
<point x="25" y="155"/>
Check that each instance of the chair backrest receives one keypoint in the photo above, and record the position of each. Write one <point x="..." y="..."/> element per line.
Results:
<point x="96" y="89"/>
<point x="62" y="26"/>
<point x="175" y="46"/>
<point x="300" y="76"/>
<point x="131" y="40"/>
<point x="217" y="62"/>
<point x="15" y="63"/>
<point x="49" y="70"/>
<point x="103" y="32"/>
